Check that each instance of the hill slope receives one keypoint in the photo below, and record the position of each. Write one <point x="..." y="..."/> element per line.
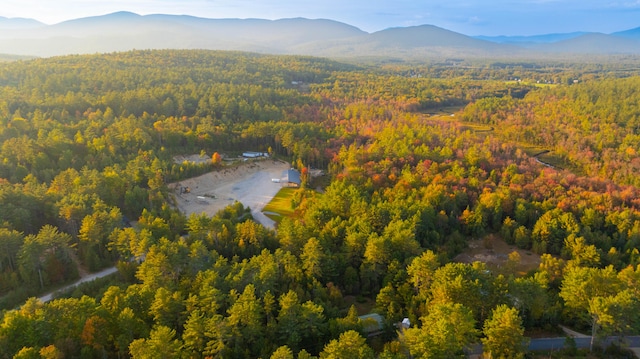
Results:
<point x="123" y="31"/>
<point x="18" y="23"/>
<point x="529" y="40"/>
<point x="629" y="34"/>
<point x="594" y="43"/>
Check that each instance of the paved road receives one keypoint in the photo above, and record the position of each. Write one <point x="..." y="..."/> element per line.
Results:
<point x="559" y="342"/>
<point x="245" y="194"/>
<point x="581" y="342"/>
<point x="89" y="278"/>
<point x="263" y="219"/>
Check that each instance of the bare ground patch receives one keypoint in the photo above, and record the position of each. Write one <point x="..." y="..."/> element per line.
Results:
<point x="494" y="251"/>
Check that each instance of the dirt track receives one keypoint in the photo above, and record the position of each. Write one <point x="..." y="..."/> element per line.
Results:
<point x="249" y="183"/>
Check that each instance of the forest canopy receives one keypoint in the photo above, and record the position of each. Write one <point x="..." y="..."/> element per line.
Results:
<point x="421" y="161"/>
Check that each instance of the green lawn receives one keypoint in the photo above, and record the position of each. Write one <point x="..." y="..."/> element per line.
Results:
<point x="536" y="84"/>
<point x="280" y="205"/>
<point x="476" y="127"/>
<point x="548" y="157"/>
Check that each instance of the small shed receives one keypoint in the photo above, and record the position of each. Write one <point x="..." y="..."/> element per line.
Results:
<point x="372" y="323"/>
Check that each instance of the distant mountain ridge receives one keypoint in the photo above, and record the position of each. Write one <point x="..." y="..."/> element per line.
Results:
<point x="122" y="31"/>
<point x="631" y="34"/>
<point x="595" y="43"/>
<point x="533" y="39"/>
<point x="18" y="23"/>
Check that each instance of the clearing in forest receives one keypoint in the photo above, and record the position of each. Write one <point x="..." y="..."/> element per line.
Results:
<point x="494" y="251"/>
<point x="248" y="183"/>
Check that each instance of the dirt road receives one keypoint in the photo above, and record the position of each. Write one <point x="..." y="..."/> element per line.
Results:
<point x="88" y="278"/>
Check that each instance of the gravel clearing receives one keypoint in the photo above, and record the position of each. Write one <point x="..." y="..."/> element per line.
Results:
<point x="249" y="183"/>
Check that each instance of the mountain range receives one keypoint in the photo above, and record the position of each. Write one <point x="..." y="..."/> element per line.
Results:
<point x="123" y="31"/>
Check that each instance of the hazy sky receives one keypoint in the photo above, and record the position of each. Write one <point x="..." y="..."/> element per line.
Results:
<point x="471" y="17"/>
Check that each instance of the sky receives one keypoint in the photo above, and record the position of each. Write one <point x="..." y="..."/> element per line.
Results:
<point x="470" y="17"/>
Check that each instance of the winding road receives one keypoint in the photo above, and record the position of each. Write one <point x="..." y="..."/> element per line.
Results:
<point x="582" y="342"/>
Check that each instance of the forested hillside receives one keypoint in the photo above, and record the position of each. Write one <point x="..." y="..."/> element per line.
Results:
<point x="421" y="160"/>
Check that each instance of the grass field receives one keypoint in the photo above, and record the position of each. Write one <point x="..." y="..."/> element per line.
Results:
<point x="476" y="127"/>
<point x="536" y="84"/>
<point x="548" y="157"/>
<point x="443" y="113"/>
<point x="280" y="205"/>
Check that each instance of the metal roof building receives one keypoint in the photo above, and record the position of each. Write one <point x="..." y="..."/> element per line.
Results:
<point x="292" y="178"/>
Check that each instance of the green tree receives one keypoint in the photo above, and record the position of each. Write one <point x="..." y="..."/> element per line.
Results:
<point x="168" y="308"/>
<point x="446" y="331"/>
<point x="69" y="318"/>
<point x="46" y="258"/>
<point x="470" y="285"/>
<point x="10" y="242"/>
<point x="161" y="344"/>
<point x="129" y="327"/>
<point x="551" y="229"/>
<point x="244" y="320"/>
<point x="580" y="252"/>
<point x="24" y="328"/>
<point x="28" y="353"/>
<point x="95" y="231"/>
<point x="130" y="243"/>
<point x="194" y="334"/>
<point x="299" y="325"/>
<point x="349" y="345"/>
<point x="614" y="315"/>
<point x="530" y="295"/>
<point x="553" y="267"/>
<point x="350" y="322"/>
<point x="282" y="352"/>
<point x="581" y="284"/>
<point x="421" y="272"/>
<point x="504" y="334"/>
<point x="312" y="258"/>
<point x="51" y="352"/>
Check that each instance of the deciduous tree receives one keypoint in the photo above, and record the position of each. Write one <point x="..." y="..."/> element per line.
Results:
<point x="504" y="334"/>
<point x="445" y="332"/>
<point x="349" y="345"/>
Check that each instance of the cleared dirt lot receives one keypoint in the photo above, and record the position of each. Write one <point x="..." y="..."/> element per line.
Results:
<point x="494" y="251"/>
<point x="249" y="183"/>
